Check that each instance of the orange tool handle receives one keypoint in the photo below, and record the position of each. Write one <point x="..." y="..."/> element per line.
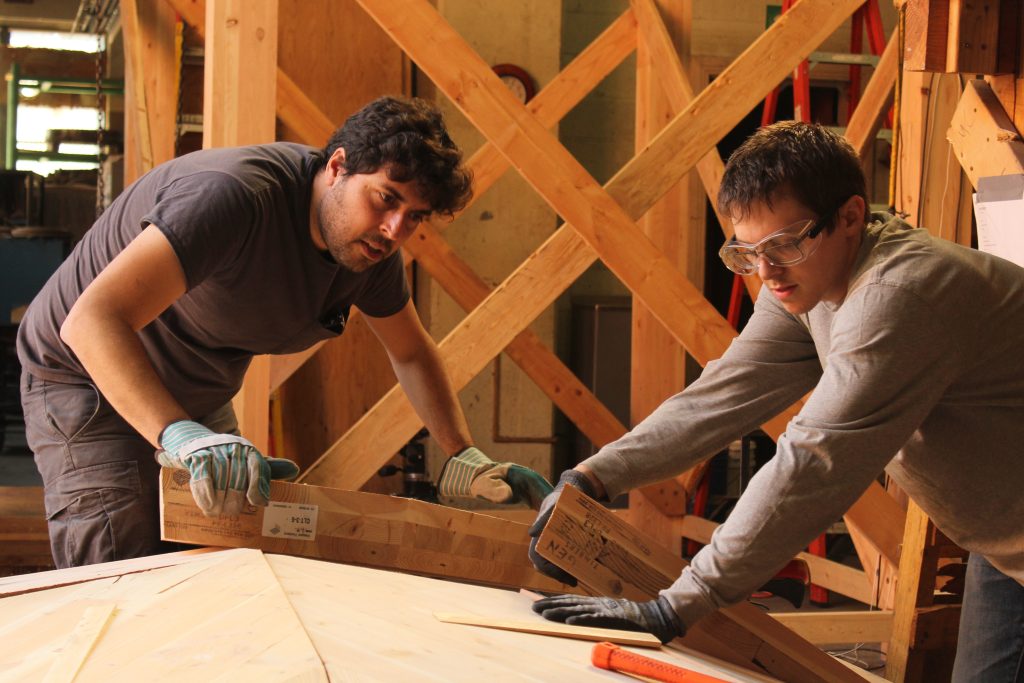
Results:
<point x="613" y="658"/>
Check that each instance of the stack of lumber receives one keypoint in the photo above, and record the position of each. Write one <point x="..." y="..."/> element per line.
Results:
<point x="24" y="542"/>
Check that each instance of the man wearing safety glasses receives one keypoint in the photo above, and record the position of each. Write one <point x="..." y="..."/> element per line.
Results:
<point x="910" y="348"/>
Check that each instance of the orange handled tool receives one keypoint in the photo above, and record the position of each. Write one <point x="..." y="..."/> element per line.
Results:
<point x="613" y="658"/>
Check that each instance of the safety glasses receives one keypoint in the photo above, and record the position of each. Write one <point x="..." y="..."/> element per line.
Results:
<point x="782" y="248"/>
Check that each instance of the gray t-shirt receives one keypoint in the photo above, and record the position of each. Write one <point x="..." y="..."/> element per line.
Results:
<point x="238" y="220"/>
<point x="917" y="372"/>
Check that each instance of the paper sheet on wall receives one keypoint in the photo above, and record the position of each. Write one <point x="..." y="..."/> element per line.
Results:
<point x="999" y="210"/>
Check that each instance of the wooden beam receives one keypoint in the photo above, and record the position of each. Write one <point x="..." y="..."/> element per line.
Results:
<point x="24" y="538"/>
<point x="367" y="529"/>
<point x="834" y="576"/>
<point x="657" y="361"/>
<point x="927" y="31"/>
<point x="973" y="40"/>
<point x="828" y="628"/>
<point x="983" y="137"/>
<point x="613" y="559"/>
<point x="139" y="157"/>
<point x="875" y="101"/>
<point x="239" y="91"/>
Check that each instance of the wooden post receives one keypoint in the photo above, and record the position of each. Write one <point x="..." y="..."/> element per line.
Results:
<point x="239" y="95"/>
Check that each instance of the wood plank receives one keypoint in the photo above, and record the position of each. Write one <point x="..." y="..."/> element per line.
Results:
<point x="362" y="528"/>
<point x="139" y="156"/>
<point x="828" y="628"/>
<point x="913" y="588"/>
<point x="875" y="101"/>
<point x="614" y="559"/>
<point x="983" y="137"/>
<point x="834" y="576"/>
<point x="549" y="628"/>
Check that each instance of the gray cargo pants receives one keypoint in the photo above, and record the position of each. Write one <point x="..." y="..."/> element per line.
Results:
<point x="100" y="477"/>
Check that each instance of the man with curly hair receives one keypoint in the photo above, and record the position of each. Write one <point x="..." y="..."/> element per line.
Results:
<point x="143" y="336"/>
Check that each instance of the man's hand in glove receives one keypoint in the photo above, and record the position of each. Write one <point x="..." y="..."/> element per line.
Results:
<point x="226" y="469"/>
<point x="574" y="478"/>
<point x="653" y="616"/>
<point x="471" y="474"/>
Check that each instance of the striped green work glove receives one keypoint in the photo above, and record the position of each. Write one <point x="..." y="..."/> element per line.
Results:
<point x="226" y="469"/>
<point x="471" y="474"/>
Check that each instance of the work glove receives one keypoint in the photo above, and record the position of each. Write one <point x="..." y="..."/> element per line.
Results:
<point x="653" y="616"/>
<point x="226" y="469"/>
<point x="574" y="478"/>
<point x="471" y="474"/>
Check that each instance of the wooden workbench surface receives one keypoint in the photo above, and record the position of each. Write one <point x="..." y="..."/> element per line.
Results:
<point x="243" y="615"/>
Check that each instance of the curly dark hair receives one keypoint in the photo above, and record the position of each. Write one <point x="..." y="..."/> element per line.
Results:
<point x="406" y="137"/>
<point x="805" y="161"/>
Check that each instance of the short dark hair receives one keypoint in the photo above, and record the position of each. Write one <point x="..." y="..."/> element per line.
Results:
<point x="406" y="137"/>
<point x="805" y="161"/>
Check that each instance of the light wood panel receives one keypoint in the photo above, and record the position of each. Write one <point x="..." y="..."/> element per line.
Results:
<point x="612" y="558"/>
<point x="361" y="528"/>
<point x="380" y="626"/>
<point x="223" y="616"/>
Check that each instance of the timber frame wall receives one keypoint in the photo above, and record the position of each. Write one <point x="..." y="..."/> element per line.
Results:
<point x="249" y="89"/>
<point x="600" y="221"/>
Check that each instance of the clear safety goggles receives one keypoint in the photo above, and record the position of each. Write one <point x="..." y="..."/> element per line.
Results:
<point x="782" y="248"/>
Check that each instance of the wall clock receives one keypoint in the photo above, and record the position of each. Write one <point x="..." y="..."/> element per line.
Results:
<point x="518" y="81"/>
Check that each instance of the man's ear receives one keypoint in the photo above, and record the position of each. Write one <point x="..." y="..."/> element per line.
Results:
<point x="853" y="213"/>
<point x="336" y="164"/>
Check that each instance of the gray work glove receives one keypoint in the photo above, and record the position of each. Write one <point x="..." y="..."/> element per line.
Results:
<point x="226" y="469"/>
<point x="471" y="474"/>
<point x="574" y="478"/>
<point x="653" y="616"/>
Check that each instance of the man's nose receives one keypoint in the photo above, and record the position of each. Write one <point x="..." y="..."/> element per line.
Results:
<point x="765" y="269"/>
<point x="393" y="223"/>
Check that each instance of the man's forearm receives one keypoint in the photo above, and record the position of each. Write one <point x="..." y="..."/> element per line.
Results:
<point x="115" y="359"/>
<point x="429" y="389"/>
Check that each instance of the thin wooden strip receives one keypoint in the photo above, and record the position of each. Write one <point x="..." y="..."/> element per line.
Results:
<point x="876" y="100"/>
<point x="824" y="628"/>
<point x="80" y="643"/>
<point x="549" y="628"/>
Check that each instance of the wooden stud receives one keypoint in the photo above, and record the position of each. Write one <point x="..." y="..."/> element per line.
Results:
<point x="875" y="101"/>
<point x="139" y="158"/>
<point x="361" y="528"/>
<point x="238" y="109"/>
<point x="972" y="43"/>
<point x="612" y="558"/>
